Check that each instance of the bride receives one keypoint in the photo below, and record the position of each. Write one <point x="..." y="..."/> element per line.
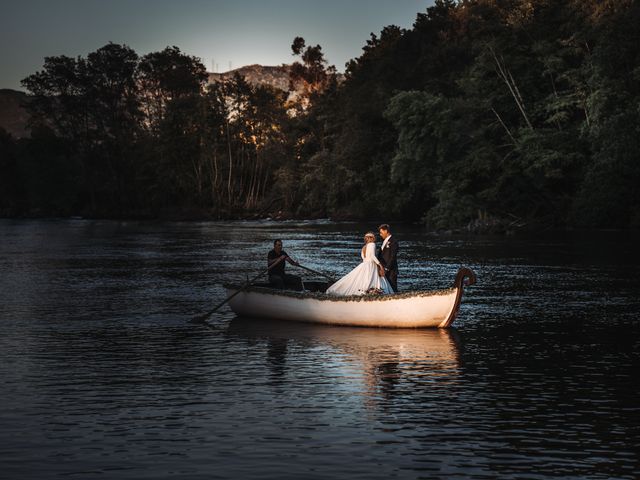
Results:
<point x="365" y="276"/>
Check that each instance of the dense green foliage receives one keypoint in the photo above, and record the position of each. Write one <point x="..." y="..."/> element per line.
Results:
<point x="487" y="114"/>
<point x="493" y="113"/>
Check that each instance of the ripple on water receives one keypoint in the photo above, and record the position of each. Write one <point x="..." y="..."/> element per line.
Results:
<point x="102" y="375"/>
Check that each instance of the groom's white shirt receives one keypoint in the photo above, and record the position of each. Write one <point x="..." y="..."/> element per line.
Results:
<point x="386" y="240"/>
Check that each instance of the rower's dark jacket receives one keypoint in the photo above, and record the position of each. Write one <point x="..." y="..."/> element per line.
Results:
<point x="278" y="269"/>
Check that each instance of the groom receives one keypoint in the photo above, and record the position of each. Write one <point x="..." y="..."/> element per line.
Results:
<point x="388" y="255"/>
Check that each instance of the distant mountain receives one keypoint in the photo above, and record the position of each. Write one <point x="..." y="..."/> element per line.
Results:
<point x="277" y="77"/>
<point x="13" y="116"/>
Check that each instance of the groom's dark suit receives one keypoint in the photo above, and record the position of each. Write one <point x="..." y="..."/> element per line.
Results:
<point x="388" y="256"/>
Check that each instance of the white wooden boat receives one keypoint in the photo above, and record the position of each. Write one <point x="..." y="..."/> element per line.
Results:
<point x="415" y="309"/>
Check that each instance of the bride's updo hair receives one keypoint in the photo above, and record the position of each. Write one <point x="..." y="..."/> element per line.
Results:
<point x="370" y="235"/>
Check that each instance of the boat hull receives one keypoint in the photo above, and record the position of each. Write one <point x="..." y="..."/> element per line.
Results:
<point x="406" y="310"/>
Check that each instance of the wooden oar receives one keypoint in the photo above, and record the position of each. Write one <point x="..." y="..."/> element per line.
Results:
<point x="202" y="318"/>
<point x="317" y="273"/>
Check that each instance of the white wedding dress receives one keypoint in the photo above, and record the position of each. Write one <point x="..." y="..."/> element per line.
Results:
<point x="363" y="277"/>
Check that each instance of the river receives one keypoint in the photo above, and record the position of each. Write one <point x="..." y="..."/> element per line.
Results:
<point x="103" y="376"/>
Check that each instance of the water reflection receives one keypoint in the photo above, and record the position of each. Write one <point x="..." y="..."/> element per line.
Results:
<point x="384" y="361"/>
<point x="102" y="369"/>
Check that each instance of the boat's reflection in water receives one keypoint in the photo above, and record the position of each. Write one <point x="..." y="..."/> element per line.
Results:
<point x="383" y="365"/>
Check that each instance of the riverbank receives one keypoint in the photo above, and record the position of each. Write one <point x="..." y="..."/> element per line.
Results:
<point x="486" y="226"/>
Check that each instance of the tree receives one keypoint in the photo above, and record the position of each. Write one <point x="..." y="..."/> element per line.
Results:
<point x="93" y="104"/>
<point x="12" y="195"/>
<point x="168" y="75"/>
<point x="311" y="77"/>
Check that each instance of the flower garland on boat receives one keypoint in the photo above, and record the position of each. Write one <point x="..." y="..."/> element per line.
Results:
<point x="369" y="297"/>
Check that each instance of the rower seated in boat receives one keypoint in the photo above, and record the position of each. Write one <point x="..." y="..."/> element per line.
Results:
<point x="278" y="278"/>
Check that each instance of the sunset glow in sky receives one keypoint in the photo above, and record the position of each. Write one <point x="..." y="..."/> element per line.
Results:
<point x="222" y="33"/>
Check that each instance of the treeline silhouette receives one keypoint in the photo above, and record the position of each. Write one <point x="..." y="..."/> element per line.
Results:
<point x="487" y="114"/>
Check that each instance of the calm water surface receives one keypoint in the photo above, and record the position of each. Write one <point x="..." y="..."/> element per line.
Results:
<point x="102" y="375"/>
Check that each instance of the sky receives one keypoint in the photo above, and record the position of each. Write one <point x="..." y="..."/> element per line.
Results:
<point x="222" y="33"/>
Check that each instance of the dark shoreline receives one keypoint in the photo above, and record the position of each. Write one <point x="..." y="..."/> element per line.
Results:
<point x="472" y="229"/>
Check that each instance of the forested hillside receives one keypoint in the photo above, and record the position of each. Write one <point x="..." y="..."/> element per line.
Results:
<point x="487" y="114"/>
